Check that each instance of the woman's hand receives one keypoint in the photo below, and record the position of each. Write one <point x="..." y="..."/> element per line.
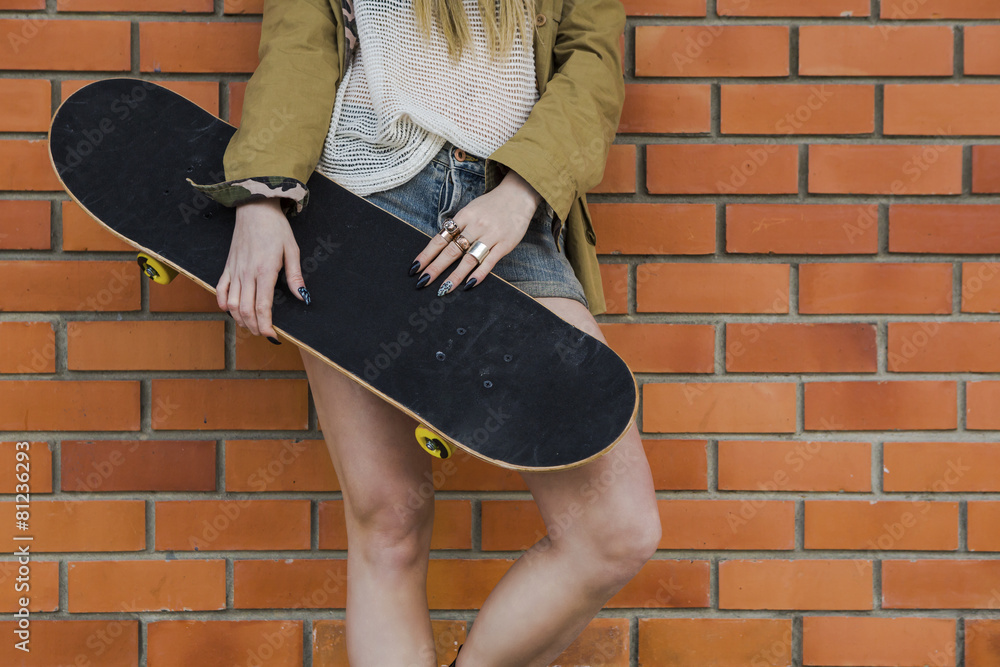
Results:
<point x="498" y="218"/>
<point x="262" y="242"/>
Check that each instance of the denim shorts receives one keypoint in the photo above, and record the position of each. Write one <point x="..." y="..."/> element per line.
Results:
<point x="452" y="179"/>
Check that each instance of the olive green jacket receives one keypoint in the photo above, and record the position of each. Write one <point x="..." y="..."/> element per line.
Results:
<point x="561" y="149"/>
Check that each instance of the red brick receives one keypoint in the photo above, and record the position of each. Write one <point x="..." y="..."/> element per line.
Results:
<point x="940" y="9"/>
<point x="619" y="170"/>
<point x="727" y="524"/>
<point x="257" y="353"/>
<point x="25" y="164"/>
<point x="137" y="465"/>
<point x="947" y="347"/>
<point x="793" y="8"/>
<point x="186" y="6"/>
<point x="452" y="525"/>
<point x="986" y="169"/>
<point x="69" y="405"/>
<point x="712" y="288"/>
<point x="25" y="224"/>
<point x="46" y="285"/>
<point x="795" y="584"/>
<point x="663" y="348"/>
<point x="146" y="345"/>
<point x="167" y="46"/>
<point x="984" y="517"/>
<point x="654" y="229"/>
<point x="463" y="584"/>
<point x="814" y="229"/>
<point x="614" y="282"/>
<point x="777" y="109"/>
<point x="27" y="347"/>
<point x="880" y="406"/>
<point x="22" y="4"/>
<point x="711" y="50"/>
<point x="877" y="288"/>
<point x="311" y="583"/>
<point x="879" y="642"/>
<point x="210" y="525"/>
<point x="80" y="232"/>
<point x="981" y="400"/>
<point x="47" y="44"/>
<point x="754" y="465"/>
<point x="941" y="109"/>
<point x="942" y="467"/>
<point x="279" y="465"/>
<point x="764" y="347"/>
<point x="980" y="293"/>
<point x="104" y="642"/>
<point x="43" y="594"/>
<point x="229" y="404"/>
<point x="40" y="462"/>
<point x="665" y="7"/>
<point x="667" y="108"/>
<point x="981" y="53"/>
<point x="982" y="642"/>
<point x="27" y="105"/>
<point x="146" y="585"/>
<point x="944" y="228"/>
<point x="329" y="637"/>
<point x="885" y="170"/>
<point x="720" y="642"/>
<point x="664" y="584"/>
<point x="718" y="169"/>
<point x="677" y="465"/>
<point x="748" y="407"/>
<point x="941" y="584"/>
<point x="171" y="643"/>
<point x="243" y="6"/>
<point x="462" y="472"/>
<point x="80" y="525"/>
<point x="182" y="295"/>
<point x="881" y="526"/>
<point x="882" y="50"/>
<point x="605" y="641"/>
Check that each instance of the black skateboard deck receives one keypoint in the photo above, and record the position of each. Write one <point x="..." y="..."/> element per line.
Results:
<point x="489" y="369"/>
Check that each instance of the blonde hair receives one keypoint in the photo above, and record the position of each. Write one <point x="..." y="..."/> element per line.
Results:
<point x="454" y="26"/>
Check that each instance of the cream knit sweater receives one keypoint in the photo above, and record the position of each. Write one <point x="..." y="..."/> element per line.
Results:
<point x="401" y="99"/>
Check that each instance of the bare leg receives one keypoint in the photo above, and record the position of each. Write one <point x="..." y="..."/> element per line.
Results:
<point x="378" y="463"/>
<point x="603" y="525"/>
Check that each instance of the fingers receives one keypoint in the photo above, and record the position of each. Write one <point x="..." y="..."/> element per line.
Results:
<point x="293" y="273"/>
<point x="421" y="262"/>
<point x="445" y="258"/>
<point x="222" y="291"/>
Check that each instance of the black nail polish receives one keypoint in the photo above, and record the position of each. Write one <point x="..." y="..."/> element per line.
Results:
<point x="424" y="279"/>
<point x="305" y="295"/>
<point x="274" y="340"/>
<point x="469" y="284"/>
<point x="414" y="268"/>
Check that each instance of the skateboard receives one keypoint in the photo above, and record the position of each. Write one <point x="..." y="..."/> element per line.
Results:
<point x="489" y="370"/>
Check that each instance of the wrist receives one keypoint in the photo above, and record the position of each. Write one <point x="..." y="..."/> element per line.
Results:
<point x="515" y="184"/>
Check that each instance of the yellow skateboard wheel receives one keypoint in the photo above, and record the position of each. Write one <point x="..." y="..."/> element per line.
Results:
<point x="433" y="443"/>
<point x="157" y="271"/>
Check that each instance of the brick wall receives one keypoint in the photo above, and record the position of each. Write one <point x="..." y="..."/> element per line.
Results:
<point x="798" y="228"/>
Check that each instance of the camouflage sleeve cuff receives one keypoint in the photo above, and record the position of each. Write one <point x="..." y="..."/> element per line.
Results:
<point x="293" y="193"/>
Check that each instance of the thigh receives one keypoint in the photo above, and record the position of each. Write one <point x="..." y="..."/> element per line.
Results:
<point x="602" y="491"/>
<point x="372" y="446"/>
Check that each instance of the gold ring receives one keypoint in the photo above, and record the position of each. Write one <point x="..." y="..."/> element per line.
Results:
<point x="450" y="230"/>
<point x="479" y="250"/>
<point x="462" y="243"/>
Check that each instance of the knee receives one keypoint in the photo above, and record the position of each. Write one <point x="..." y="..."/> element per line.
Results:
<point x="627" y="544"/>
<point x="391" y="536"/>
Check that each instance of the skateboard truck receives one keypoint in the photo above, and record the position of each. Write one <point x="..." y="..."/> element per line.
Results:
<point x="156" y="270"/>
<point x="433" y="443"/>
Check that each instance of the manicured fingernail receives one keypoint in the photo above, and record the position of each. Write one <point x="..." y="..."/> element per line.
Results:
<point x="228" y="313"/>
<point x="414" y="268"/>
<point x="469" y="284"/>
<point x="274" y="340"/>
<point x="445" y="287"/>
<point x="424" y="279"/>
<point x="305" y="295"/>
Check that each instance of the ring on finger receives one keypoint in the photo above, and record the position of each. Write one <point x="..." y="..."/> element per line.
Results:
<point x="450" y="230"/>
<point x="479" y="250"/>
<point x="462" y="243"/>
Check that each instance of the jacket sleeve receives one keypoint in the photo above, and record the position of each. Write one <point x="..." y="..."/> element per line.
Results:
<point x="287" y="108"/>
<point x="562" y="147"/>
